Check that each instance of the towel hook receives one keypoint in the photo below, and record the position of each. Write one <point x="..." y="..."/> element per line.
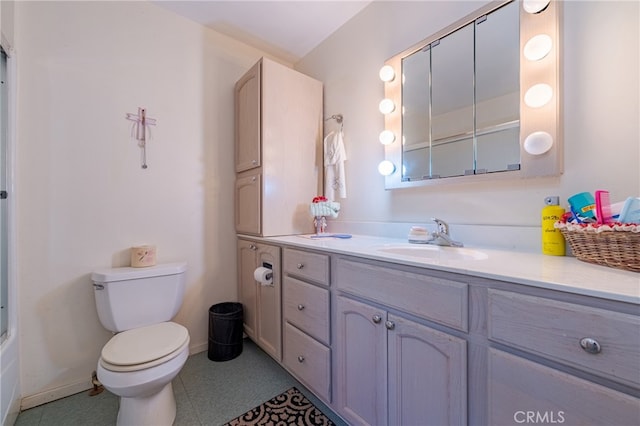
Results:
<point x="338" y="117"/>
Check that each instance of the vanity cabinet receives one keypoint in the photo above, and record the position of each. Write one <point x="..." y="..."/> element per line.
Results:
<point x="597" y="342"/>
<point x="278" y="149"/>
<point x="261" y="303"/>
<point x="387" y="343"/>
<point x="391" y="369"/>
<point x="306" y="313"/>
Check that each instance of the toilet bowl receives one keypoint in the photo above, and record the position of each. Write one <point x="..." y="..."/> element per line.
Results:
<point x="138" y="365"/>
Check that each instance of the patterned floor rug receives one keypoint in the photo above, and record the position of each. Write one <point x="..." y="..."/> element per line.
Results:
<point x="288" y="408"/>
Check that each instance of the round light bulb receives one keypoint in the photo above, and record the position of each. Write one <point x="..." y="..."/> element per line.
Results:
<point x="538" y="95"/>
<point x="386" y="167"/>
<point x="387" y="73"/>
<point x="387" y="137"/>
<point x="538" y="47"/>
<point x="537" y="143"/>
<point x="535" y="6"/>
<point x="386" y="106"/>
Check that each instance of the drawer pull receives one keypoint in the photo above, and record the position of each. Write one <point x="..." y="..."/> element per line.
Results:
<point x="390" y="325"/>
<point x="376" y="319"/>
<point x="300" y="358"/>
<point x="590" y="345"/>
<point x="300" y="307"/>
<point x="300" y="265"/>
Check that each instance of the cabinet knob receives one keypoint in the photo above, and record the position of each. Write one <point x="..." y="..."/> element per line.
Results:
<point x="253" y="247"/>
<point x="376" y="319"/>
<point x="254" y="162"/>
<point x="300" y="307"/>
<point x="253" y="179"/>
<point x="300" y="358"/>
<point x="300" y="265"/>
<point x="590" y="345"/>
<point x="390" y="325"/>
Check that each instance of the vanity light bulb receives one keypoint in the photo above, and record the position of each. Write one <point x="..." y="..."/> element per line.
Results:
<point x="537" y="143"/>
<point x="535" y="6"/>
<point x="387" y="73"/>
<point x="538" y="47"/>
<point x="386" y="167"/>
<point x="387" y="137"/>
<point x="386" y="106"/>
<point x="538" y="95"/>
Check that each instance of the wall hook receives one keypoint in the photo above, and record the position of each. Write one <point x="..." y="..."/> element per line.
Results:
<point x="339" y="119"/>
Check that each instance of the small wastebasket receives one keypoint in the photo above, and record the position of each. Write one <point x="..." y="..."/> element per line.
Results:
<point x="225" y="331"/>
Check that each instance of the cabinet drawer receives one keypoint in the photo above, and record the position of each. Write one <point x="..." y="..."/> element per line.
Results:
<point x="520" y="389"/>
<point x="436" y="299"/>
<point x="307" y="307"/>
<point x="308" y="359"/>
<point x="310" y="266"/>
<point x="554" y="329"/>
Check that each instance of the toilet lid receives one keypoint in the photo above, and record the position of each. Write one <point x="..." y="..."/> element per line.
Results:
<point x="144" y="344"/>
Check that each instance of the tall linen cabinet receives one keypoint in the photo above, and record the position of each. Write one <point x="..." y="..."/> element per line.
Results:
<point x="278" y="150"/>
<point x="278" y="161"/>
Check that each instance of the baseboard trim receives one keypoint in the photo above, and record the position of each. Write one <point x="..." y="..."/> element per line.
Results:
<point x="77" y="387"/>
<point x="53" y="394"/>
<point x="196" y="349"/>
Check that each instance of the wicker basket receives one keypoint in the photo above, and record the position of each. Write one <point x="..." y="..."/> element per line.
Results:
<point x="614" y="248"/>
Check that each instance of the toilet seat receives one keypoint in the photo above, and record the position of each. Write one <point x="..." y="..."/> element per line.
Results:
<point x="144" y="347"/>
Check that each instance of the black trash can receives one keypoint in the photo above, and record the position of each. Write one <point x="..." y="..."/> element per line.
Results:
<point x="225" y="331"/>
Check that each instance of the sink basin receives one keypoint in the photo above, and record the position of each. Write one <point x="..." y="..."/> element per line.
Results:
<point x="433" y="252"/>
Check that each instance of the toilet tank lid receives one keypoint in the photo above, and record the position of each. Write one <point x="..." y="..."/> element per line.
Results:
<point x="129" y="273"/>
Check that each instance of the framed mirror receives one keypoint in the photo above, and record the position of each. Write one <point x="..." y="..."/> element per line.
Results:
<point x="463" y="99"/>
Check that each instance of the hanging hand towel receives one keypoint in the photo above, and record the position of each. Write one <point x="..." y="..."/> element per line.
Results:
<point x="334" y="158"/>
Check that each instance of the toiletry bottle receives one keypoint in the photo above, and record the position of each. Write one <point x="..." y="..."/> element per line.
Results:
<point x="552" y="239"/>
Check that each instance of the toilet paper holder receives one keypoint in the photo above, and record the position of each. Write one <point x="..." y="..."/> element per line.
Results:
<point x="264" y="274"/>
<point x="268" y="266"/>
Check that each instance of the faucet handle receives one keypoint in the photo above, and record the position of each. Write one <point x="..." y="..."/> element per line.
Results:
<point x="443" y="227"/>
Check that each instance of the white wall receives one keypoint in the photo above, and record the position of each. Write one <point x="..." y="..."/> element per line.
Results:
<point x="601" y="110"/>
<point x="84" y="200"/>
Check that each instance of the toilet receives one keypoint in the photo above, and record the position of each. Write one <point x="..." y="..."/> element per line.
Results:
<point x="148" y="350"/>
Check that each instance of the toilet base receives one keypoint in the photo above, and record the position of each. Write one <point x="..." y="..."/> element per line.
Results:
<point x="158" y="409"/>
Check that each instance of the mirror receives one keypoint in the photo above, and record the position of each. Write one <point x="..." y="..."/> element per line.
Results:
<point x="452" y="99"/>
<point x="462" y="113"/>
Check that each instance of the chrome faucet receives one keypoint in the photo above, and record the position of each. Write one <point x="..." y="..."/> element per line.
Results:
<point x="441" y="237"/>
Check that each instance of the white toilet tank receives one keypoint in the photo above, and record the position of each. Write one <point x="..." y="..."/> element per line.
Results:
<point x="129" y="298"/>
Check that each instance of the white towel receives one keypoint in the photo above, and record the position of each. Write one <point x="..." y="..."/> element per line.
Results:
<point x="334" y="158"/>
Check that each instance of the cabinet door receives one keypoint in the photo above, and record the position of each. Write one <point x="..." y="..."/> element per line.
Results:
<point x="247" y="103"/>
<point x="269" y="323"/>
<point x="248" y="204"/>
<point x="247" y="289"/>
<point x="524" y="392"/>
<point x="427" y="375"/>
<point x="361" y="363"/>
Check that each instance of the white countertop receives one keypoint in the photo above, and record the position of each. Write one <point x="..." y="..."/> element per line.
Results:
<point x="552" y="272"/>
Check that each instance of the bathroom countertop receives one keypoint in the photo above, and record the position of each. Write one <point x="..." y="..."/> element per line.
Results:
<point x="561" y="273"/>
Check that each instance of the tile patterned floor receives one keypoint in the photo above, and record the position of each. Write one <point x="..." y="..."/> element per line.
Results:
<point x="207" y="394"/>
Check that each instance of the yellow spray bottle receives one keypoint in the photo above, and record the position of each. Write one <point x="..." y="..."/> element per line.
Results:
<point x="552" y="239"/>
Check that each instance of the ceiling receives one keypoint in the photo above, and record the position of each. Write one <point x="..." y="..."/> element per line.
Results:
<point x="286" y="29"/>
